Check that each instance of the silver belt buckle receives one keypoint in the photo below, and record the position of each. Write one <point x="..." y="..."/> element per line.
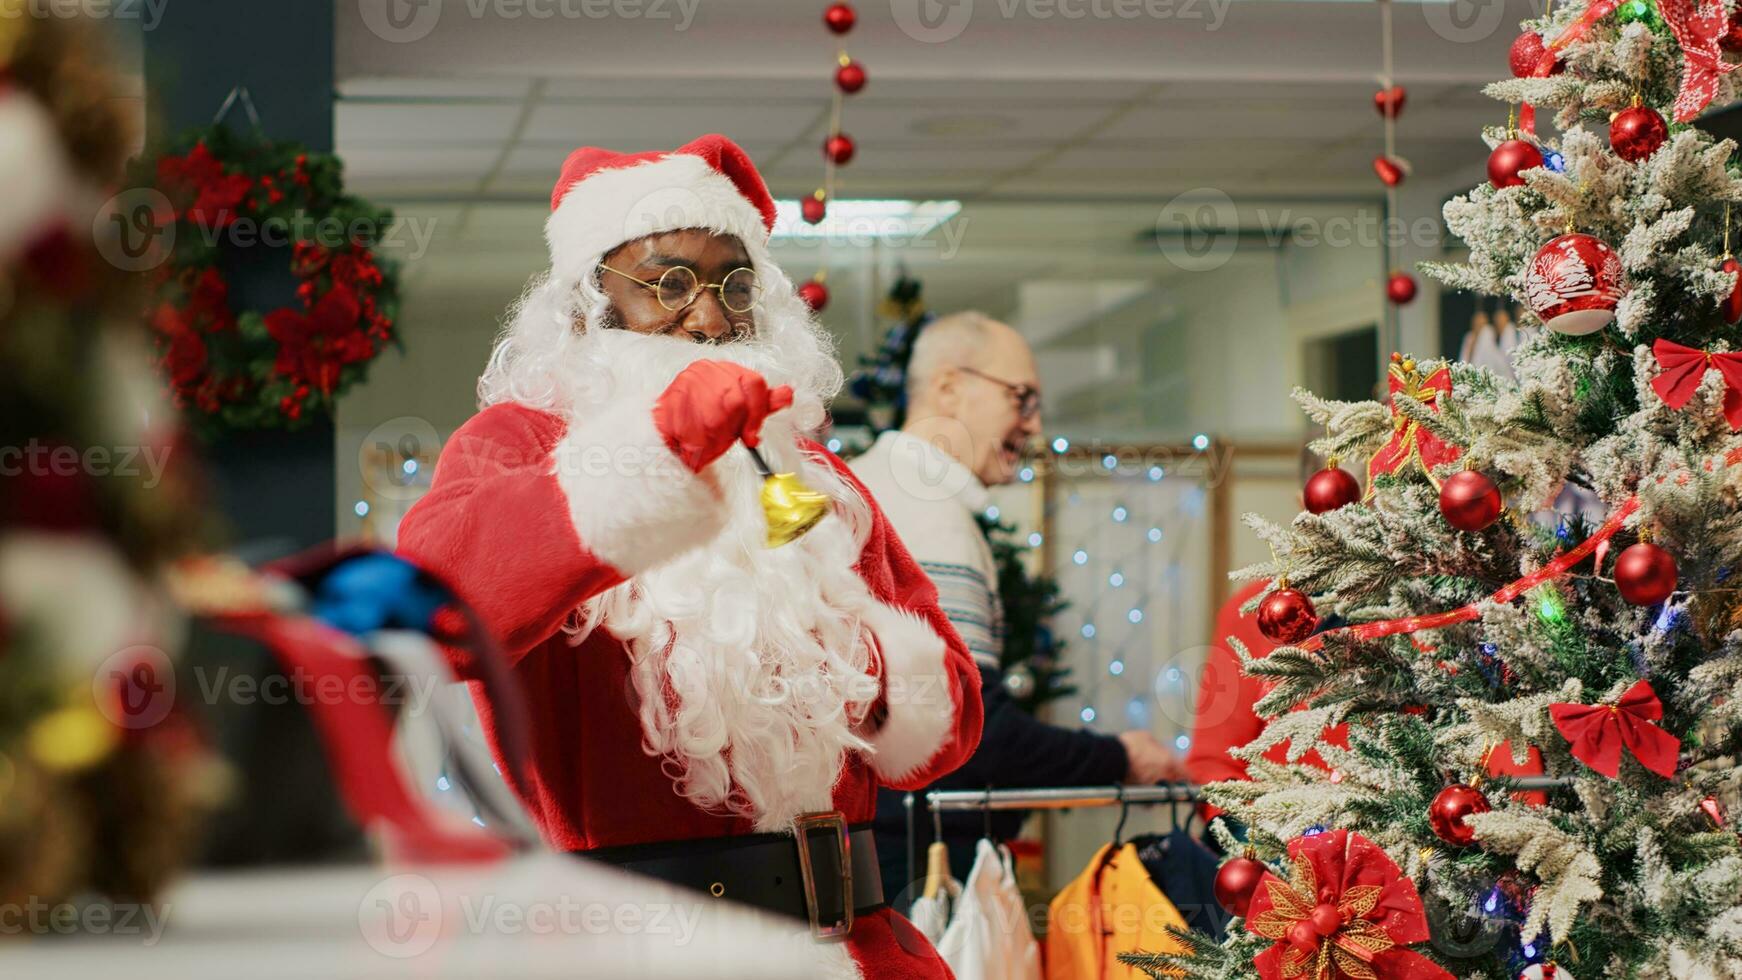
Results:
<point x="829" y="820"/>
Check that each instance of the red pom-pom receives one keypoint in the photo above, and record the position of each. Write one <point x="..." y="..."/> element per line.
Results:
<point x="1527" y="53"/>
<point x="839" y="148"/>
<point x="1447" y="812"/>
<point x="1325" y="919"/>
<point x="1389" y="101"/>
<point x="1400" y="288"/>
<point x="840" y="18"/>
<point x="1236" y="881"/>
<point x="1329" y="489"/>
<point x="1287" y="616"/>
<point x="1470" y="501"/>
<point x="814" y="209"/>
<point x="1732" y="304"/>
<point x="850" y="77"/>
<point x="1645" y="574"/>
<point x="1636" y="133"/>
<point x="1509" y="159"/>
<point x="815" y="295"/>
<point x="1574" y="284"/>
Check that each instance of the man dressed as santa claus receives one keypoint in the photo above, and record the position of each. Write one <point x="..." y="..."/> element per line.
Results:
<point x="704" y="708"/>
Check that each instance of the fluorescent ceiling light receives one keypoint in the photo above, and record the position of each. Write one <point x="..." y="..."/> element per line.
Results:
<point x="868" y="220"/>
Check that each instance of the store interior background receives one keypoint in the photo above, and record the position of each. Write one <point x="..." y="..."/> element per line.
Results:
<point x="1069" y="155"/>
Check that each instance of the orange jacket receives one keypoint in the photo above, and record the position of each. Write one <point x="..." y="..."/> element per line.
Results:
<point x="1113" y="907"/>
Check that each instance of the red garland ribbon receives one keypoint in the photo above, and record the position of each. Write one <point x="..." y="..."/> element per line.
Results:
<point x="1681" y="369"/>
<point x="1410" y="442"/>
<point x="1575" y="31"/>
<point x="1697" y="30"/>
<point x="1596" y="732"/>
<point x="1377" y="908"/>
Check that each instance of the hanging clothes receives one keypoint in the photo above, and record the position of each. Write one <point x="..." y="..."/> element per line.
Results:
<point x="989" y="937"/>
<point x="1185" y="871"/>
<point x="1113" y="907"/>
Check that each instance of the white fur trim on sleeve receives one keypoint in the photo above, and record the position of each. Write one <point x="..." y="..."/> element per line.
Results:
<point x="633" y="502"/>
<point x="611" y="207"/>
<point x="922" y="711"/>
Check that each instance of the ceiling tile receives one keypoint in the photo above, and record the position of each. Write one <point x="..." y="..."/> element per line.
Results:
<point x="375" y="123"/>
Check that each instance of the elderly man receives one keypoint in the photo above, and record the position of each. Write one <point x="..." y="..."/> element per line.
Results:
<point x="973" y="408"/>
<point x="703" y="708"/>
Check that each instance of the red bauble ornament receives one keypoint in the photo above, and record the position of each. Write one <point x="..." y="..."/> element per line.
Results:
<point x="1636" y="133"/>
<point x="1389" y="101"/>
<point x="1303" y="937"/>
<point x="1236" y="881"/>
<point x="1645" y="574"/>
<point x="1391" y="172"/>
<point x="1731" y="39"/>
<point x="814" y="208"/>
<point x="840" y="18"/>
<point x="1732" y="304"/>
<point x="1329" y="489"/>
<point x="1509" y="159"/>
<point x="839" y="149"/>
<point x="1545" y="971"/>
<point x="850" y="77"/>
<point x="1574" y="284"/>
<point x="815" y="295"/>
<point x="1400" y="288"/>
<point x="1325" y="919"/>
<point x="1470" y="501"/>
<point x="1527" y="53"/>
<point x="1287" y="616"/>
<point x="1447" y="812"/>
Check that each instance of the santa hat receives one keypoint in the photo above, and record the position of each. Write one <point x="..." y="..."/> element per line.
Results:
<point x="604" y="198"/>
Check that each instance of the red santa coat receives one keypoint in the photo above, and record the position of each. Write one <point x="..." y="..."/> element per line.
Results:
<point x="525" y="542"/>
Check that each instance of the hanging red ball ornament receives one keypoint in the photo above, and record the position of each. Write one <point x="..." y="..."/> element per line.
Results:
<point x="1527" y="54"/>
<point x="1636" y="133"/>
<point x="1330" y="489"/>
<point x="1645" y="574"/>
<point x="1287" y="616"/>
<point x="1470" y="501"/>
<point x="850" y="77"/>
<point x="1732" y="304"/>
<point x="1391" y="171"/>
<point x="1545" y="971"/>
<point x="814" y="208"/>
<point x="839" y="149"/>
<point x="1574" y="284"/>
<point x="1325" y="919"/>
<point x="1302" y="936"/>
<point x="1400" y="288"/>
<point x="1236" y="881"/>
<point x="1509" y="159"/>
<point x="815" y="295"/>
<point x="840" y="17"/>
<point x="1731" y="39"/>
<point x="1389" y="101"/>
<point x="1447" y="812"/>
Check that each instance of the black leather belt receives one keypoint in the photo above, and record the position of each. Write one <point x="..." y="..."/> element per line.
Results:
<point x="772" y="871"/>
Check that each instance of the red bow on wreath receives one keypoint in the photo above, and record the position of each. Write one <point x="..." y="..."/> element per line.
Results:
<point x="312" y="348"/>
<point x="1697" y="30"/>
<point x="1346" y="913"/>
<point x="1681" y="369"/>
<point x="1410" y="443"/>
<point x="1598" y="731"/>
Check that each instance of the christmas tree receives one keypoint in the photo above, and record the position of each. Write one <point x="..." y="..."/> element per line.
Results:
<point x="1598" y="647"/>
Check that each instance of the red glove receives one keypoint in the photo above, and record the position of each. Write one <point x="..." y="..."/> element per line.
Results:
<point x="712" y="404"/>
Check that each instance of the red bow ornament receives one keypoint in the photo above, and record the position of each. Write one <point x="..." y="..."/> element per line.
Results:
<point x="1410" y="443"/>
<point x="1346" y="914"/>
<point x="1697" y="30"/>
<point x="1598" y="731"/>
<point x="1681" y="369"/>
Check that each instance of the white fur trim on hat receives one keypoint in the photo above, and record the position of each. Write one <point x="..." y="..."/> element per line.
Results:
<point x="620" y="205"/>
<point x="917" y="690"/>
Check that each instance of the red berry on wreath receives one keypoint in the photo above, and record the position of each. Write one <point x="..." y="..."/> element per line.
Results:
<point x="1449" y="808"/>
<point x="1645" y="574"/>
<point x="1237" y="881"/>
<point x="1470" y="501"/>
<point x="1509" y="159"/>
<point x="840" y="18"/>
<point x="1636" y="133"/>
<point x="1331" y="488"/>
<point x="1287" y="616"/>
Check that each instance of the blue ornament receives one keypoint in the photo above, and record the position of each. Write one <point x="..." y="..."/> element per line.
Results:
<point x="376" y="591"/>
<point x="1313" y="831"/>
<point x="1555" y="162"/>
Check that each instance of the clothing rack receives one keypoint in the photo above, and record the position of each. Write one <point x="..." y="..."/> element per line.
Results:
<point x="1070" y="798"/>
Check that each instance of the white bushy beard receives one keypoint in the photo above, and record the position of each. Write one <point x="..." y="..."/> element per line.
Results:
<point x="751" y="666"/>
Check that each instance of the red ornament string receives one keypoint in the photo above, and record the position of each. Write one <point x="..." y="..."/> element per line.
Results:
<point x="1575" y="31"/>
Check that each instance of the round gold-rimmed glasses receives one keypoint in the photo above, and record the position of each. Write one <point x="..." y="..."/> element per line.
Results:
<point x="740" y="291"/>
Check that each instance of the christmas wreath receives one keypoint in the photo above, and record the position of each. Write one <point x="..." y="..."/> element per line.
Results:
<point x="229" y="201"/>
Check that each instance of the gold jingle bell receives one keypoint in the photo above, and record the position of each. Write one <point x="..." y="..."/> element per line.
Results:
<point x="791" y="507"/>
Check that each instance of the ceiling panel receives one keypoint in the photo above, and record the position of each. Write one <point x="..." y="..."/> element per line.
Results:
<point x="662" y="123"/>
<point x="376" y="123"/>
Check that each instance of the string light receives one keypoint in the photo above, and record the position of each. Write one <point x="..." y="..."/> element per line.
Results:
<point x="362" y="508"/>
<point x="1026" y="474"/>
<point x="1060" y="444"/>
<point x="1115" y="580"/>
<point x="1173" y="675"/>
<point x="1182" y="742"/>
<point x="1156" y="473"/>
<point x="1081" y="557"/>
<point x="1200" y="442"/>
<point x="1154" y="534"/>
<point x="1135" y="615"/>
<point x="1119" y="515"/>
<point x="1088" y="631"/>
<point x="1109" y="462"/>
<point x="992" y="512"/>
<point x="1034" y="539"/>
<point x="834" y="445"/>
<point x="1088" y="715"/>
<point x="409" y="466"/>
<point x="1116" y="668"/>
<point x="443" y="784"/>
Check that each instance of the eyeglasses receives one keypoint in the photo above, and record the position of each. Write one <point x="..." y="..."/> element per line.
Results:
<point x="1027" y="395"/>
<point x="740" y="292"/>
